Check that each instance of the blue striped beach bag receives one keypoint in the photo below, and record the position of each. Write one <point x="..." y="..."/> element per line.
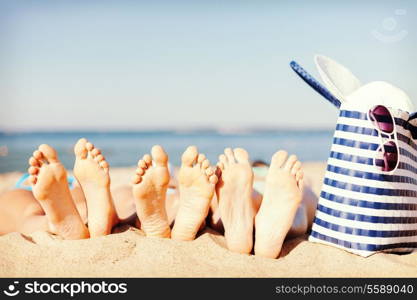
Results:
<point x="368" y="200"/>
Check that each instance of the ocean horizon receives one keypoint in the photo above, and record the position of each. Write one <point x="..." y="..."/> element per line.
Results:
<point x="124" y="148"/>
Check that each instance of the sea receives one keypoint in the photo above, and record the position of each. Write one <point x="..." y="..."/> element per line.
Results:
<point x="124" y="148"/>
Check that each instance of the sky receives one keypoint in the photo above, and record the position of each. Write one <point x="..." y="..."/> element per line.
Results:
<point x="132" y="65"/>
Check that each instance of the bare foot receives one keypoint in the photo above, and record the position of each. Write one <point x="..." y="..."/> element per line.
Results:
<point x="50" y="187"/>
<point x="150" y="185"/>
<point x="92" y="172"/>
<point x="283" y="194"/>
<point x="234" y="193"/>
<point x="197" y="182"/>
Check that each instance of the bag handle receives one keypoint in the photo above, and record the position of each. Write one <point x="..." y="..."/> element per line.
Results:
<point x="317" y="86"/>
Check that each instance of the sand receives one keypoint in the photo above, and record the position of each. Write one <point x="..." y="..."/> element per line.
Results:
<point x="129" y="253"/>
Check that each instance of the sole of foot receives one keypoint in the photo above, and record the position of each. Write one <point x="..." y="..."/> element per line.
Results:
<point x="92" y="172"/>
<point x="150" y="184"/>
<point x="282" y="197"/>
<point x="197" y="181"/>
<point x="48" y="178"/>
<point x="234" y="194"/>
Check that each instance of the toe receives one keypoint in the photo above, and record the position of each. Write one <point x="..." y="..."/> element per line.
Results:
<point x="278" y="159"/>
<point x="300" y="179"/>
<point x="159" y="156"/>
<point x="189" y="157"/>
<point x="290" y="162"/>
<point x="136" y="179"/>
<point x="223" y="160"/>
<point x="49" y="153"/>
<point x="220" y="165"/>
<point x="142" y="164"/>
<point x="38" y="155"/>
<point x="299" y="175"/>
<point x="213" y="179"/>
<point x="79" y="149"/>
<point x="99" y="158"/>
<point x="230" y="155"/>
<point x="210" y="171"/>
<point x="147" y="159"/>
<point x="296" y="167"/>
<point x="241" y="155"/>
<point x="201" y="157"/>
<point x="32" y="179"/>
<point x="205" y="164"/>
<point x="104" y="164"/>
<point x="89" y="146"/>
<point x="96" y="152"/>
<point x="34" y="162"/>
<point x="140" y="171"/>
<point x="33" y="170"/>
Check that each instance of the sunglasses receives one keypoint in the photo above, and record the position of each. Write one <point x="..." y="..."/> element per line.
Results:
<point x="386" y="158"/>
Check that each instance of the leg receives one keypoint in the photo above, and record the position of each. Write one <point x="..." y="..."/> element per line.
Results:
<point x="79" y="201"/>
<point x="20" y="212"/>
<point x="283" y="195"/>
<point x="92" y="172"/>
<point x="172" y="205"/>
<point x="50" y="188"/>
<point x="196" y="185"/>
<point x="234" y="193"/>
<point x="124" y="203"/>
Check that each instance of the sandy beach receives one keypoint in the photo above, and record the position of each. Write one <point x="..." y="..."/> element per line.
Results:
<point x="128" y="253"/>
